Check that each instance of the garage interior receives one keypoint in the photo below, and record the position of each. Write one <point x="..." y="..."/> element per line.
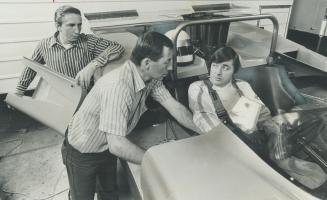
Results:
<point x="31" y="166"/>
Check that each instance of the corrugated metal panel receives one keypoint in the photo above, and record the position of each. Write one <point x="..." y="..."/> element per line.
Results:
<point x="22" y="31"/>
<point x="11" y="67"/>
<point x="19" y="48"/>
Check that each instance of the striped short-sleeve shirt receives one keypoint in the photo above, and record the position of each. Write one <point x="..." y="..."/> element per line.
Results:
<point x="113" y="106"/>
<point x="70" y="61"/>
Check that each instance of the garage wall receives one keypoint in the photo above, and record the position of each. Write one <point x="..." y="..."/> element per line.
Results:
<point x="24" y="22"/>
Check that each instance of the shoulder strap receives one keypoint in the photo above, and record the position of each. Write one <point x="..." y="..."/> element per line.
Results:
<point x="219" y="107"/>
<point x="223" y="115"/>
<point x="239" y="91"/>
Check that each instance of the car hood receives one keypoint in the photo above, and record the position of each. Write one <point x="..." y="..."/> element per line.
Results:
<point x="217" y="165"/>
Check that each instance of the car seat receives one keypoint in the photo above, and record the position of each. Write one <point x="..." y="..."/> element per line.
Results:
<point x="273" y="86"/>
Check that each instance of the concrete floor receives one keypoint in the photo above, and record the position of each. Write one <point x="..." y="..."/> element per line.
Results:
<point x="32" y="168"/>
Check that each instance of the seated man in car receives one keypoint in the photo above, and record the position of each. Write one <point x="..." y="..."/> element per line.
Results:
<point x="223" y="99"/>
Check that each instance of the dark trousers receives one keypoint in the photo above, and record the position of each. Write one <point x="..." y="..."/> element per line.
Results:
<point x="89" y="173"/>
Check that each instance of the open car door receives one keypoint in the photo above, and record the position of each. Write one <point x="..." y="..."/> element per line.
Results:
<point x="56" y="96"/>
<point x="54" y="101"/>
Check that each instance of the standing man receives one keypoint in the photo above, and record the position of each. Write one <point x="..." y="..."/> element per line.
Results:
<point x="97" y="133"/>
<point x="69" y="52"/>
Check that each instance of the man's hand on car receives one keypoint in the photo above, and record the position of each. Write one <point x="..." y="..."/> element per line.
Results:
<point x="83" y="78"/>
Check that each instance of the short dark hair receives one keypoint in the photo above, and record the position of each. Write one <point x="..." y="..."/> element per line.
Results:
<point x="62" y="11"/>
<point x="150" y="45"/>
<point x="224" y="54"/>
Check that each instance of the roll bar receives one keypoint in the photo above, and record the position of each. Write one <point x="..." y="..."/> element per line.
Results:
<point x="226" y="19"/>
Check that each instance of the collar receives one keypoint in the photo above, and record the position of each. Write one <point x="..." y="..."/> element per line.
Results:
<point x="138" y="81"/>
<point x="226" y="87"/>
<point x="55" y="41"/>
